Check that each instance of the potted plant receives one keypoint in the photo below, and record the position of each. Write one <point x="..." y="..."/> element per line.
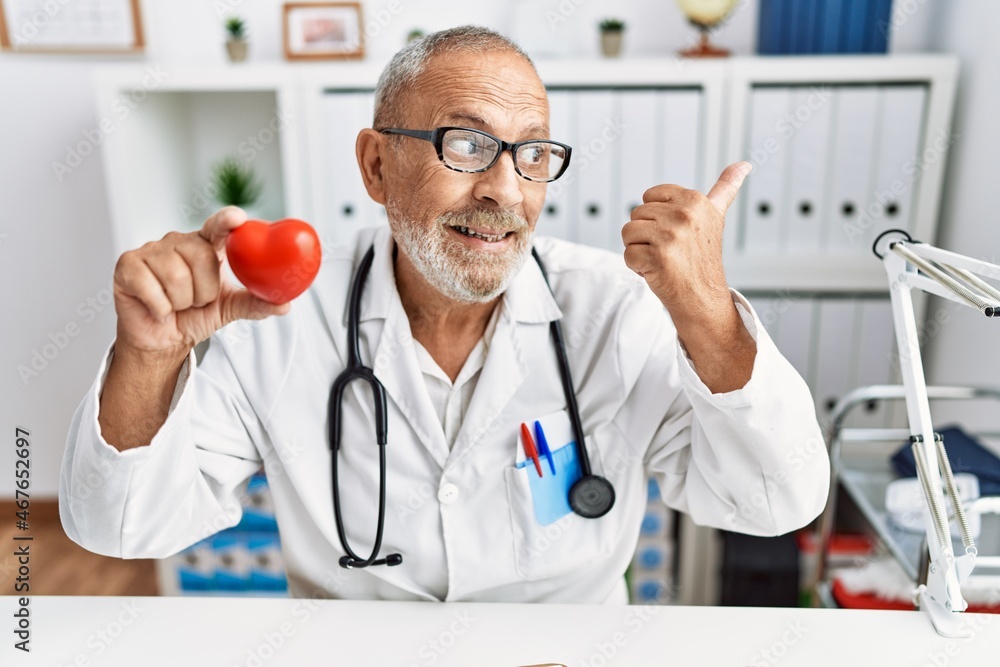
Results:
<point x="236" y="43"/>
<point x="611" y="37"/>
<point x="235" y="184"/>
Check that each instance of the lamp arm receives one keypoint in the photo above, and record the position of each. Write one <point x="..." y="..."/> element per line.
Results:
<point x="919" y="266"/>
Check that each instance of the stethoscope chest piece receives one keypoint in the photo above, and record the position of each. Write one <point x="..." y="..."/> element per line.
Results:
<point x="591" y="496"/>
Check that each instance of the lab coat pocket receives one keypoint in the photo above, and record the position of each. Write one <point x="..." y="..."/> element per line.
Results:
<point x="549" y="539"/>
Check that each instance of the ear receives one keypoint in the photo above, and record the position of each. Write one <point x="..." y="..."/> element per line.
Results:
<point x="369" y="149"/>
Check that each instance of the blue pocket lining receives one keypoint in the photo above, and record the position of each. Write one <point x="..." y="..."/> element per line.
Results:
<point x="550" y="493"/>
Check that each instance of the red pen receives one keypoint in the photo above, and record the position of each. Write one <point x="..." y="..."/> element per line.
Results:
<point x="529" y="448"/>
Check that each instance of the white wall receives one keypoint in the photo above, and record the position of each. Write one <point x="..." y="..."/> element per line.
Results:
<point x="55" y="237"/>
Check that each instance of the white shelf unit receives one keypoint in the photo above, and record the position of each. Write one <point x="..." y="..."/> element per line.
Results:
<point x="822" y="299"/>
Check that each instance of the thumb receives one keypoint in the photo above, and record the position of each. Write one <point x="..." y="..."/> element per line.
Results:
<point x="725" y="190"/>
<point x="218" y="227"/>
<point x="242" y="305"/>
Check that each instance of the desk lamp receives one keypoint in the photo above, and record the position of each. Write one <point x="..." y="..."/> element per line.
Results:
<point x="913" y="265"/>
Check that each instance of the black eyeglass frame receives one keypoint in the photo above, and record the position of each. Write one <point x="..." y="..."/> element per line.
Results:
<point x="436" y="137"/>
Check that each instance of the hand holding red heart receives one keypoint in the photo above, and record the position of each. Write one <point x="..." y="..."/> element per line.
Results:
<point x="674" y="241"/>
<point x="170" y="294"/>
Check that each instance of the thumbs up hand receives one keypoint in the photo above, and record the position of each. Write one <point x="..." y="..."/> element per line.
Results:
<point x="674" y="241"/>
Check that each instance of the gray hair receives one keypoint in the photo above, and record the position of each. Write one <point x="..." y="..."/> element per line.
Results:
<point x="409" y="63"/>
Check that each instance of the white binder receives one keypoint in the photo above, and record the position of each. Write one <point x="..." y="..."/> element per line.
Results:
<point x="807" y="177"/>
<point x="876" y="350"/>
<point x="641" y="154"/>
<point x="557" y="215"/>
<point x="764" y="208"/>
<point x="835" y="353"/>
<point x="795" y="336"/>
<point x="348" y="205"/>
<point x="679" y="123"/>
<point x="854" y="148"/>
<point x="900" y="128"/>
<point x="764" y="307"/>
<point x="598" y="145"/>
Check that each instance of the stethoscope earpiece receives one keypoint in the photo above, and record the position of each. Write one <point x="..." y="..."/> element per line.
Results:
<point x="592" y="496"/>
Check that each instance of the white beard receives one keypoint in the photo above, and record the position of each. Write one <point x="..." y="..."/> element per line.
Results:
<point x="457" y="271"/>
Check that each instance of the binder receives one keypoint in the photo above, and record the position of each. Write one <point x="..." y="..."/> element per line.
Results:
<point x="810" y="157"/>
<point x="879" y="27"/>
<point x="858" y="12"/>
<point x="640" y="149"/>
<point x="556" y="217"/>
<point x="833" y="17"/>
<point x="195" y="568"/>
<point x="854" y="141"/>
<point x="876" y="350"/>
<point x="795" y="334"/>
<point x="267" y="568"/>
<point x="680" y="130"/>
<point x="598" y="145"/>
<point x="766" y="313"/>
<point x="802" y="16"/>
<point x="769" y="27"/>
<point x="899" y="135"/>
<point x="835" y="353"/>
<point x="348" y="206"/>
<point x="764" y="207"/>
<point x="232" y="562"/>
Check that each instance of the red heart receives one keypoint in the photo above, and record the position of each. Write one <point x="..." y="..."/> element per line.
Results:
<point x="275" y="261"/>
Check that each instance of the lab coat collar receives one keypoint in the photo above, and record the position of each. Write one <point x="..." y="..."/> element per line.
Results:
<point x="528" y="299"/>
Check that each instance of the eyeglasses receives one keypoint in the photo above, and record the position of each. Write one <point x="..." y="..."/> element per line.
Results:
<point x="471" y="151"/>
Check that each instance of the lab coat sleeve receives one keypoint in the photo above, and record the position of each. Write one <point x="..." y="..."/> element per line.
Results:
<point x="751" y="460"/>
<point x="155" y="500"/>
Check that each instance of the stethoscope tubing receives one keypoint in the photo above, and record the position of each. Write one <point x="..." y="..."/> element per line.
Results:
<point x="591" y="496"/>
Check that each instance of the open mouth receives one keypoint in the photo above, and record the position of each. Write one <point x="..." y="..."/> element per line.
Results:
<point x="489" y="238"/>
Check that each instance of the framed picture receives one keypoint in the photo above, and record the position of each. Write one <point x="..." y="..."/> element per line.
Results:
<point x="71" y="26"/>
<point x="323" y="30"/>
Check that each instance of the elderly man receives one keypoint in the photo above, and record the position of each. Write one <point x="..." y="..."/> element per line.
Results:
<point x="670" y="370"/>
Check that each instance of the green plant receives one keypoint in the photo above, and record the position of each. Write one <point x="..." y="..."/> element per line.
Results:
<point x="236" y="28"/>
<point x="235" y="184"/>
<point x="612" y="25"/>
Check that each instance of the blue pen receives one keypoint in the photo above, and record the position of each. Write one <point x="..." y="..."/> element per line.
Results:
<point x="543" y="446"/>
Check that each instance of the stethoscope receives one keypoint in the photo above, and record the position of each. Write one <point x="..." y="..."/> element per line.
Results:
<point x="591" y="496"/>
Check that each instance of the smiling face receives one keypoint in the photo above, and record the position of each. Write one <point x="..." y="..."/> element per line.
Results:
<point x="466" y="233"/>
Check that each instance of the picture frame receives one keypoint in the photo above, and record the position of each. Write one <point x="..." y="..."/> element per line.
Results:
<point x="323" y="30"/>
<point x="71" y="26"/>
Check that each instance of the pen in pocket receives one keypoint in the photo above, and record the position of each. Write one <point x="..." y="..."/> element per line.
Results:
<point x="529" y="448"/>
<point x="543" y="446"/>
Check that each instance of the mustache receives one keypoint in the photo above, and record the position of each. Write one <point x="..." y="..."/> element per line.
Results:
<point x="496" y="220"/>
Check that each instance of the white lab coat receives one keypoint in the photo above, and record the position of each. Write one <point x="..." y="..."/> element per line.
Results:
<point x="750" y="460"/>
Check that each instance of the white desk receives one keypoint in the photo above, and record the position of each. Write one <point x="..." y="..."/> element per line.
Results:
<point x="225" y="632"/>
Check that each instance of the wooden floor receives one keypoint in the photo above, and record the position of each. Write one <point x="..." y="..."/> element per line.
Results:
<point x="58" y="566"/>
